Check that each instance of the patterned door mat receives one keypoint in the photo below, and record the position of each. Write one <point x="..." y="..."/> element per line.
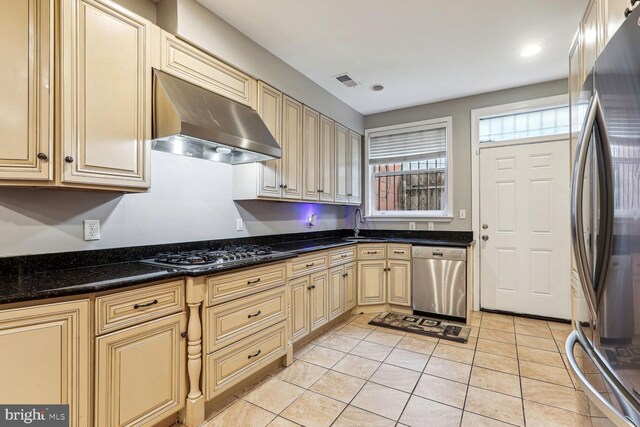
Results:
<point x="423" y="326"/>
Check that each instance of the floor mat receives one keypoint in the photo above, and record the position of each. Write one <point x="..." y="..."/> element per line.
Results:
<point x="423" y="326"/>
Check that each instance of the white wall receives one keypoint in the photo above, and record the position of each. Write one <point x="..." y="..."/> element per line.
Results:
<point x="190" y="200"/>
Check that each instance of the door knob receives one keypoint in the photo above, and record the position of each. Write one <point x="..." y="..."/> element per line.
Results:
<point x="485" y="226"/>
<point x="485" y="237"/>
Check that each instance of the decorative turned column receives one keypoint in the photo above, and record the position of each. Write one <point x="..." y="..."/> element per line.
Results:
<point x="193" y="413"/>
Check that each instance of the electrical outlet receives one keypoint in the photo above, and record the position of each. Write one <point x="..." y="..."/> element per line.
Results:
<point x="91" y="229"/>
<point x="412" y="226"/>
<point x="430" y="226"/>
<point x="239" y="224"/>
<point x="463" y="214"/>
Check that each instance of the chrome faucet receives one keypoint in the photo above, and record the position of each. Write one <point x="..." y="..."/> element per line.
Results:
<point x="356" y="229"/>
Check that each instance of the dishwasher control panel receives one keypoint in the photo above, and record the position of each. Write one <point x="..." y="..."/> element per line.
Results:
<point x="433" y="252"/>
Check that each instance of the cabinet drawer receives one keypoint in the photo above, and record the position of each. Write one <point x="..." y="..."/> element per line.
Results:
<point x="372" y="251"/>
<point x="236" y="362"/>
<point x="237" y="319"/>
<point x="399" y="251"/>
<point x="342" y="256"/>
<point x="226" y="287"/>
<point x="308" y="264"/>
<point x="197" y="67"/>
<point x="115" y="311"/>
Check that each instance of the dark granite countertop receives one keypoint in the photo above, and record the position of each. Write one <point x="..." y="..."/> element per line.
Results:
<point x="37" y="277"/>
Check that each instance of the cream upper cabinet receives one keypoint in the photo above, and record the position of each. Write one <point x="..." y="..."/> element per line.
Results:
<point x="299" y="301"/>
<point x="399" y="282"/>
<point x="46" y="357"/>
<point x="26" y="103"/>
<point x="591" y="36"/>
<point x="326" y="173"/>
<point x="195" y="66"/>
<point x="319" y="299"/>
<point x="336" y="292"/>
<point x="270" y="110"/>
<point x="614" y="16"/>
<point x="310" y="154"/>
<point x="291" y="148"/>
<point x="140" y="373"/>
<point x="355" y="164"/>
<point x="105" y="90"/>
<point x="372" y="282"/>
<point x="342" y="156"/>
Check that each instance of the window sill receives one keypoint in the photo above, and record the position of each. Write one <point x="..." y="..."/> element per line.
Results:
<point x="390" y="218"/>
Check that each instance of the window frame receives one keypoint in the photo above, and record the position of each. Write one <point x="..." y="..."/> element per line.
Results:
<point x="444" y="215"/>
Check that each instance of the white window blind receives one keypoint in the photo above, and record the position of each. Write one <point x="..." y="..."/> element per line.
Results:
<point x="408" y="145"/>
<point x="530" y="124"/>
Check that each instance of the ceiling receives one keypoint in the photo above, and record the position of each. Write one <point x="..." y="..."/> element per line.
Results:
<point x="422" y="51"/>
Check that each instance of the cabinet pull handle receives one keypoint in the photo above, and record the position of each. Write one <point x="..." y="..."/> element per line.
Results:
<point x="372" y="252"/>
<point x="183" y="334"/>
<point x="256" y="354"/>
<point x="251" y="282"/>
<point x="349" y="195"/>
<point x="398" y="252"/>
<point x="345" y="275"/>
<point x="344" y="256"/>
<point x="255" y="315"/>
<point x="42" y="156"/>
<point x="311" y="265"/>
<point x="154" y="302"/>
<point x="68" y="159"/>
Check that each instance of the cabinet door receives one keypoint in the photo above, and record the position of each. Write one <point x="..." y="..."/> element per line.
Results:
<point x="327" y="159"/>
<point x="310" y="150"/>
<point x="614" y="16"/>
<point x="371" y="282"/>
<point x="575" y="84"/>
<point x="336" y="292"/>
<point x="319" y="299"/>
<point x="399" y="281"/>
<point x="355" y="163"/>
<point x="140" y="373"/>
<point x="270" y="110"/>
<point x="300" y="316"/>
<point x="26" y="102"/>
<point x="591" y="36"/>
<point x="291" y="149"/>
<point x="342" y="163"/>
<point x="45" y="357"/>
<point x="349" y="286"/>
<point x="106" y="96"/>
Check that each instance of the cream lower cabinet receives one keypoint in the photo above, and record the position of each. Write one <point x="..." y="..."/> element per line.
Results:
<point x="319" y="299"/>
<point x="140" y="373"/>
<point x="300" y="318"/>
<point x="45" y="357"/>
<point x="342" y="292"/>
<point x="372" y="282"/>
<point x="384" y="274"/>
<point x="399" y="282"/>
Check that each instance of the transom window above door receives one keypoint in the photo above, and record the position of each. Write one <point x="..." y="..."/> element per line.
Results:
<point x="525" y="125"/>
<point x="409" y="173"/>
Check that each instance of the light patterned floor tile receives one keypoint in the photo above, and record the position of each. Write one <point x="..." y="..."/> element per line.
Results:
<point x="423" y="412"/>
<point x="383" y="338"/>
<point x="546" y="373"/>
<point x="470" y="344"/>
<point x="313" y="410"/>
<point x="494" y="405"/>
<point x="282" y="422"/>
<point x="395" y="377"/>
<point x="417" y="345"/>
<point x="340" y="343"/>
<point x="381" y="400"/>
<point x="322" y="356"/>
<point x="538" y="415"/>
<point x="448" y="369"/>
<point x="469" y="419"/>
<point x="241" y="413"/>
<point x="497" y="325"/>
<point x="338" y="386"/>
<point x="407" y="359"/>
<point x="534" y="331"/>
<point x="357" y="366"/>
<point x="495" y="335"/>
<point x="498" y="317"/>
<point x="356" y="417"/>
<point x="441" y="390"/>
<point x="495" y="381"/>
<point x="299" y="351"/>
<point x="456" y="354"/>
<point x="371" y="351"/>
<point x="499" y="348"/>
<point x="354" y="332"/>
<point x="535" y="342"/>
<point x="301" y="373"/>
<point x="529" y="322"/>
<point x="530" y="354"/>
<point x="274" y="395"/>
<point x="496" y="362"/>
<point x="555" y="395"/>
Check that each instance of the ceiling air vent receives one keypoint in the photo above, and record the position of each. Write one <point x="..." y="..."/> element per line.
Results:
<point x="346" y="80"/>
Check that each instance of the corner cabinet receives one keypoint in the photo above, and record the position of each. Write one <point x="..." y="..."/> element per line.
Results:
<point x="384" y="274"/>
<point x="46" y="357"/>
<point x="105" y="92"/>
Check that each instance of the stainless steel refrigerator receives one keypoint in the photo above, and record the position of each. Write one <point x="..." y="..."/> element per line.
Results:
<point x="605" y="218"/>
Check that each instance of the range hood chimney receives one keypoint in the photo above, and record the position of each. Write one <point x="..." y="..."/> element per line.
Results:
<point x="191" y="121"/>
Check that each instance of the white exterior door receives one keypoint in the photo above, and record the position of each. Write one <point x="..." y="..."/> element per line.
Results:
<point x="524" y="215"/>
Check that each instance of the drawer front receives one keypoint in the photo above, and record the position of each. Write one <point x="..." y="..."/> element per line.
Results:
<point x="372" y="251"/>
<point x="235" y="320"/>
<point x="197" y="67"/>
<point x="236" y="362"/>
<point x="121" y="309"/>
<point x="342" y="256"/>
<point x="308" y="264"/>
<point x="399" y="251"/>
<point x="227" y="287"/>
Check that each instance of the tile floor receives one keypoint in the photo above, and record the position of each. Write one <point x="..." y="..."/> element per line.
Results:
<point x="513" y="371"/>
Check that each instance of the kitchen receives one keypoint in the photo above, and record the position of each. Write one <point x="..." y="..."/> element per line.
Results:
<point x="210" y="217"/>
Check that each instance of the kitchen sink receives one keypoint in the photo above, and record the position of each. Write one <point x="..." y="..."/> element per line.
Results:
<point x="364" y="239"/>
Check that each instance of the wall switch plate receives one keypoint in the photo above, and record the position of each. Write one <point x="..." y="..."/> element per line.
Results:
<point x="91" y="229"/>
<point x="239" y="226"/>
<point x="430" y="226"/>
<point x="463" y="214"/>
<point x="412" y="226"/>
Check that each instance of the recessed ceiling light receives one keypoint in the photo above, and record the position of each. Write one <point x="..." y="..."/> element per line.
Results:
<point x="377" y="87"/>
<point x="530" y="50"/>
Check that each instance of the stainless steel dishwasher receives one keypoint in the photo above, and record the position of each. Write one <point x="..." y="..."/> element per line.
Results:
<point x="439" y="281"/>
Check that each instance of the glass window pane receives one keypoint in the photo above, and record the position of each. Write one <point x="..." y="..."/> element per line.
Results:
<point x="548" y="121"/>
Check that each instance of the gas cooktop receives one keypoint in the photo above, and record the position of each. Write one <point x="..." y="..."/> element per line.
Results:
<point x="214" y="258"/>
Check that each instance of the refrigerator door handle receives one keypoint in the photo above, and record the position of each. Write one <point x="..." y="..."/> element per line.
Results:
<point x="603" y="404"/>
<point x="577" y="226"/>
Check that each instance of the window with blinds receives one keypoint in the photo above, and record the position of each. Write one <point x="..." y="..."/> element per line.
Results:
<point x="525" y="125"/>
<point x="408" y="169"/>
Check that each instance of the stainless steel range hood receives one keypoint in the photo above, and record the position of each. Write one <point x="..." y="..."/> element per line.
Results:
<point x="191" y="121"/>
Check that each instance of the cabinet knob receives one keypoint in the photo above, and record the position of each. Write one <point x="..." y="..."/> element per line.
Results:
<point x="183" y="334"/>
<point x="42" y="156"/>
<point x="349" y="195"/>
<point x="68" y="159"/>
<point x="285" y="186"/>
